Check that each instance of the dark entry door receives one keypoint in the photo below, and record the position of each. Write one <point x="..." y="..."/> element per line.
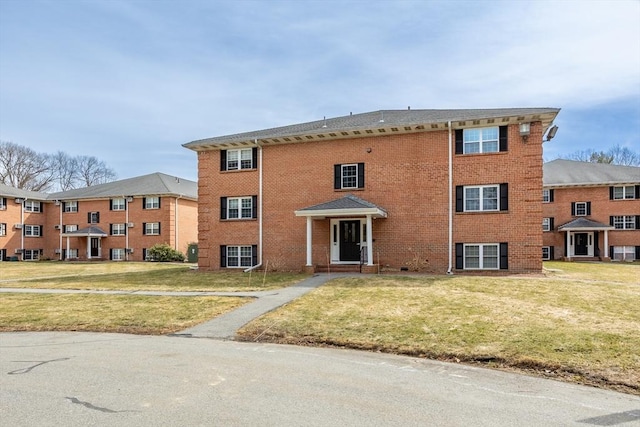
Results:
<point x="582" y="243"/>
<point x="95" y="247"/>
<point x="349" y="240"/>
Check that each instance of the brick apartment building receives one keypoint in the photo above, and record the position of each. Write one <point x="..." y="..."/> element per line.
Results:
<point x="591" y="211"/>
<point x="436" y="190"/>
<point x="119" y="220"/>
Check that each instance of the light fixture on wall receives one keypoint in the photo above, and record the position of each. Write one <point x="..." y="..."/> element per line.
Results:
<point x="525" y="130"/>
<point x="129" y="199"/>
<point x="552" y="132"/>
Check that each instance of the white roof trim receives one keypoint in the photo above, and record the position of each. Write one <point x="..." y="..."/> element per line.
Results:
<point x="374" y="212"/>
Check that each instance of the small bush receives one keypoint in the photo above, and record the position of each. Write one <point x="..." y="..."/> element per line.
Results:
<point x="162" y="252"/>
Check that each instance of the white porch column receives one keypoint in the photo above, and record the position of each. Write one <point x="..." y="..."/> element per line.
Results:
<point x="309" y="240"/>
<point x="568" y="254"/>
<point x="369" y="241"/>
<point x="88" y="247"/>
<point x="67" y="257"/>
<point x="606" y="244"/>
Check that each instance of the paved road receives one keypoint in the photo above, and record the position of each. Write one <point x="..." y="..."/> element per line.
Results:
<point x="81" y="379"/>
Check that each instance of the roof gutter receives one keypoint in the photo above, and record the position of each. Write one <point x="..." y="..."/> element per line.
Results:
<point x="259" y="264"/>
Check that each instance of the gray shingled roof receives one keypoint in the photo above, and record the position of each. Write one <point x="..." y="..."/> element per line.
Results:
<point x="8" y="191"/>
<point x="152" y="184"/>
<point x="378" y="122"/>
<point x="347" y="202"/>
<point x="89" y="231"/>
<point x="558" y="173"/>
<point x="584" y="223"/>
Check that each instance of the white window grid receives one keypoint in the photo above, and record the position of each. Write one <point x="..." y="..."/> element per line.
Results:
<point x="70" y="228"/>
<point x="239" y="208"/>
<point x="239" y="256"/>
<point x="546" y="253"/>
<point x="546" y="196"/>
<point x="93" y="218"/>
<point x="624" y="222"/>
<point x="3" y="229"/>
<point x="481" y="198"/>
<point x="72" y="253"/>
<point x="546" y="224"/>
<point x="581" y="208"/>
<point x="349" y="176"/>
<point x="71" y="206"/>
<point x="152" y="203"/>
<point x="31" y="254"/>
<point x="626" y="192"/>
<point x="481" y="256"/>
<point x="118" y="229"/>
<point x="118" y="254"/>
<point x="152" y="228"/>
<point x="481" y="140"/>
<point x="31" y="206"/>
<point x="624" y="253"/>
<point x="32" y="230"/>
<point x="240" y="159"/>
<point x="3" y="206"/>
<point x="118" y="204"/>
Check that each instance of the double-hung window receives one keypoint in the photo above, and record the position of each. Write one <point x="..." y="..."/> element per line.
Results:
<point x="117" y="254"/>
<point x="32" y="206"/>
<point x="624" y="192"/>
<point x="581" y="208"/>
<point x="547" y="196"/>
<point x="481" y="198"/>
<point x="3" y="203"/>
<point x="151" y="228"/>
<point x="118" y="229"/>
<point x="3" y="229"/>
<point x="244" y="158"/>
<point x="348" y="176"/>
<point x="70" y="206"/>
<point x="547" y="224"/>
<point x="93" y="217"/>
<point x="71" y="253"/>
<point x="482" y="256"/>
<point x="238" y="256"/>
<point x="31" y="254"/>
<point x="33" y="230"/>
<point x="118" y="204"/>
<point x="70" y="228"/>
<point x="624" y="222"/>
<point x="238" y="207"/>
<point x="151" y="203"/>
<point x="481" y="140"/>
<point x="624" y="253"/>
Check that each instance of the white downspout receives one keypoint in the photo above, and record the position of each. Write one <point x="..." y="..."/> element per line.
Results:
<point x="450" y="271"/>
<point x="260" y="204"/>
<point x="176" y="223"/>
<point x="61" y="230"/>
<point x="126" y="228"/>
<point x="24" y="202"/>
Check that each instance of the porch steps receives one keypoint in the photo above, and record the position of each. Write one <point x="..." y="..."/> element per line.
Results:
<point x="338" y="268"/>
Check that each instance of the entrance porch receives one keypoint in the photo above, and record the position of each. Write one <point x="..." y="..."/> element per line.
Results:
<point x="582" y="240"/>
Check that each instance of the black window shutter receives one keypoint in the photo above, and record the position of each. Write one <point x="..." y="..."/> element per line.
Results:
<point x="144" y="203"/>
<point x="611" y="220"/>
<point x="254" y="206"/>
<point x="459" y="198"/>
<point x="504" y="197"/>
<point x="159" y="229"/>
<point x="110" y="228"/>
<point x="4" y="201"/>
<point x="97" y="217"/>
<point x="64" y="206"/>
<point x="573" y="208"/>
<point x="223" y="208"/>
<point x="41" y="207"/>
<point x="551" y="224"/>
<point x="459" y="256"/>
<point x="110" y="254"/>
<point x="588" y="208"/>
<point x="637" y="253"/>
<point x="223" y="160"/>
<point x="223" y="255"/>
<point x="337" y="177"/>
<point x="254" y="255"/>
<point x="360" y="175"/>
<point x="159" y="201"/>
<point x="504" y="256"/>
<point x="144" y="254"/>
<point x="254" y="157"/>
<point x="611" y="252"/>
<point x="110" y="204"/>
<point x="504" y="138"/>
<point x="610" y="193"/>
<point x="41" y="230"/>
<point x="551" y="195"/>
<point x="89" y="217"/>
<point x="637" y="222"/>
<point x="459" y="141"/>
<point x="637" y="193"/>
<point x="551" y="254"/>
<point x="144" y="228"/>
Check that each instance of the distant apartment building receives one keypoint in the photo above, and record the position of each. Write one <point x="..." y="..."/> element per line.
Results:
<point x="591" y="211"/>
<point x="119" y="220"/>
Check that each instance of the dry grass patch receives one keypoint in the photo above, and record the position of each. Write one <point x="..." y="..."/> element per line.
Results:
<point x="612" y="272"/>
<point x="586" y="331"/>
<point x="34" y="270"/>
<point x="109" y="313"/>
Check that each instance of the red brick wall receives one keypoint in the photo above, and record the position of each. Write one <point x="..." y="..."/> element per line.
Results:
<point x="407" y="175"/>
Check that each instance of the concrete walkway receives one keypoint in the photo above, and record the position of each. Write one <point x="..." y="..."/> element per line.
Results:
<point x="222" y="327"/>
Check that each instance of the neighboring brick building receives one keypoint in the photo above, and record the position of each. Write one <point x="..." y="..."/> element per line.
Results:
<point x="438" y="190"/>
<point x="118" y="220"/>
<point x="591" y="211"/>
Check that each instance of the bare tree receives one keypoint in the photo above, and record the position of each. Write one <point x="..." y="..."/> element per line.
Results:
<point x="66" y="170"/>
<point x="22" y="167"/>
<point x="624" y="156"/>
<point x="616" y="155"/>
<point x="92" y="171"/>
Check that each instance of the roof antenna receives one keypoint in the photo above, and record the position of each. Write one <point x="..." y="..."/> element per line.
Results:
<point x="381" y="116"/>
<point x="324" y="125"/>
<point x="409" y="107"/>
<point x="351" y="113"/>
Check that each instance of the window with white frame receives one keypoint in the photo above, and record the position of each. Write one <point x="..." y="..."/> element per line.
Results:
<point x="94" y="217"/>
<point x="481" y="257"/>
<point x="118" y="204"/>
<point x="481" y="198"/>
<point x="31" y="254"/>
<point x="481" y="140"/>
<point x="71" y="253"/>
<point x="624" y="253"/>
<point x="239" y="256"/>
<point x="626" y="192"/>
<point x="71" y="206"/>
<point x="546" y="224"/>
<point x="152" y="202"/>
<point x="547" y="196"/>
<point x="624" y="222"/>
<point x="117" y="254"/>
<point x="3" y="203"/>
<point x="152" y="228"/>
<point x="32" y="206"/>
<point x="32" y="230"/>
<point x="581" y="209"/>
<point x="240" y="159"/>
<point x="3" y="229"/>
<point x="118" y="229"/>
<point x="239" y="207"/>
<point x="546" y="253"/>
<point x="70" y="228"/>
<point x="349" y="176"/>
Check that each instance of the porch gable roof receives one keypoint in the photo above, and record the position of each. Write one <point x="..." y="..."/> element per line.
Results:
<point x="584" y="224"/>
<point x="348" y="205"/>
<point x="86" y="232"/>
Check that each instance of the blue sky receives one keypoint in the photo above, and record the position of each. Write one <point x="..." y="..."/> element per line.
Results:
<point x="129" y="81"/>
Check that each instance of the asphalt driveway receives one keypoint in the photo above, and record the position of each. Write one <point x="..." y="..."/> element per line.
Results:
<point x="79" y="379"/>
